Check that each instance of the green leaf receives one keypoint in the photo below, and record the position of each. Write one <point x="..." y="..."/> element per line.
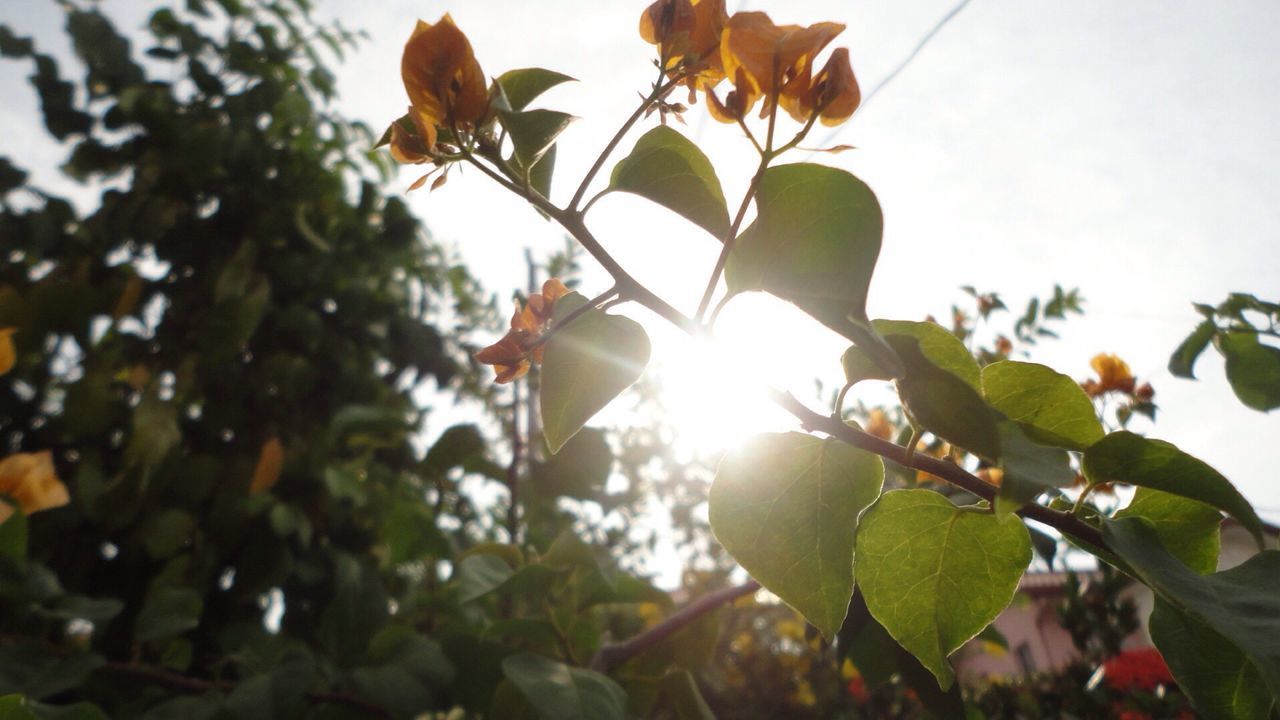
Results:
<point x="1050" y="406"/>
<point x="167" y="532"/>
<point x="168" y="611"/>
<point x="1253" y="369"/>
<point x="456" y="447"/>
<point x="1218" y="678"/>
<point x="942" y="403"/>
<point x="533" y="132"/>
<point x="1029" y="468"/>
<point x="407" y="671"/>
<point x="580" y="469"/>
<point x="523" y="85"/>
<point x="411" y="534"/>
<point x="814" y="243"/>
<point x="13" y="536"/>
<point x="1129" y="458"/>
<point x="479" y="575"/>
<point x="1190" y="530"/>
<point x="1183" y="361"/>
<point x="586" y="365"/>
<point x="680" y="693"/>
<point x="938" y="346"/>
<point x="560" y="692"/>
<point x="934" y="575"/>
<point x="785" y="506"/>
<point x="668" y="169"/>
<point x="39" y="673"/>
<point x="542" y="172"/>
<point x="1241" y="604"/>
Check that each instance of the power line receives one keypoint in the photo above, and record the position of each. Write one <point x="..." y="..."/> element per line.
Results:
<point x="924" y="41"/>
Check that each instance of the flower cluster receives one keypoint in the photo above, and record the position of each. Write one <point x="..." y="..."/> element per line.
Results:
<point x="1137" y="670"/>
<point x="514" y="354"/>
<point x="701" y="45"/>
<point x="30" y="479"/>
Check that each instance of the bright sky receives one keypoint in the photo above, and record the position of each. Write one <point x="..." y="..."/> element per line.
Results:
<point x="1124" y="148"/>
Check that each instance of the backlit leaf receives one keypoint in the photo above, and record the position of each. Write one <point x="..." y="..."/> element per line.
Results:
<point x="1050" y="406"/>
<point x="1241" y="604"/>
<point x="523" y="85"/>
<point x="1190" y="530"/>
<point x="939" y="347"/>
<point x="814" y="243"/>
<point x="533" y="132"/>
<point x="1129" y="458"/>
<point x="668" y="169"/>
<point x="934" y="575"/>
<point x="585" y="366"/>
<point x="786" y="506"/>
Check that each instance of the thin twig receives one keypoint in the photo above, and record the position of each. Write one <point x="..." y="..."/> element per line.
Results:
<point x="952" y="473"/>
<point x="614" y="654"/>
<point x="660" y="89"/>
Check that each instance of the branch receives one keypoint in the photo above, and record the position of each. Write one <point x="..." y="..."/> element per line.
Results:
<point x="614" y="654"/>
<point x="1065" y="523"/>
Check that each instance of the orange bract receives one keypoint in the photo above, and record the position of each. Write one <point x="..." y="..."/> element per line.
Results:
<point x="445" y="84"/>
<point x="687" y="33"/>
<point x="515" y="353"/>
<point x="833" y="93"/>
<point x="1113" y="374"/>
<point x="8" y="354"/>
<point x="30" y="479"/>
<point x="776" y="59"/>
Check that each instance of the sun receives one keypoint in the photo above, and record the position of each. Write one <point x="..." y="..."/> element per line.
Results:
<point x="715" y="389"/>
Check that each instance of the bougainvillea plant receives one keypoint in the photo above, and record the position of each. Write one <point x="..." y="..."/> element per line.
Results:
<point x="803" y="512"/>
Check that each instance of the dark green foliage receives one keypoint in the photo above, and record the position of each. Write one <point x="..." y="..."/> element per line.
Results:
<point x="247" y="281"/>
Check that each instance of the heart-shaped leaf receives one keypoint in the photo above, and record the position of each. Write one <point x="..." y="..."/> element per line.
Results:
<point x="533" y="132"/>
<point x="785" y="506"/>
<point x="668" y="169"/>
<point x="586" y="365"/>
<point x="934" y="575"/>
<point x="814" y="242"/>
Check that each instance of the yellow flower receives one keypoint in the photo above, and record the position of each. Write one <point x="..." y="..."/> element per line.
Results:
<point x="8" y="355"/>
<point x="1113" y="374"/>
<point x="775" y="60"/>
<point x="270" y="464"/>
<point x="31" y="480"/>
<point x="878" y="424"/>
<point x="445" y="84"/>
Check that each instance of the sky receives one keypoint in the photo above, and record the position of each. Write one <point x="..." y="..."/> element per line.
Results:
<point x="1126" y="149"/>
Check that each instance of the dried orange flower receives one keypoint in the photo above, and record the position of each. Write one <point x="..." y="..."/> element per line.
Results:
<point x="30" y="479"/>
<point x="770" y="61"/>
<point x="515" y="353"/>
<point x="270" y="464"/>
<point x="687" y="33"/>
<point x="1113" y="374"/>
<point x="8" y="354"/>
<point x="445" y="84"/>
<point x="993" y="475"/>
<point x="833" y="93"/>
